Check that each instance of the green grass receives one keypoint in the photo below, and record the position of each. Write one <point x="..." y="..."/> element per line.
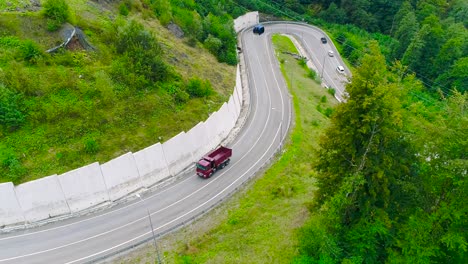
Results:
<point x="75" y="112"/>
<point x="258" y="225"/>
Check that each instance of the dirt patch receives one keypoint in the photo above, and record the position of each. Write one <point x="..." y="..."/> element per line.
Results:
<point x="75" y="44"/>
<point x="23" y="6"/>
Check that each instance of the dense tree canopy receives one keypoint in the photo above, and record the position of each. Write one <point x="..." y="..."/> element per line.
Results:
<point x="391" y="175"/>
<point x="430" y="36"/>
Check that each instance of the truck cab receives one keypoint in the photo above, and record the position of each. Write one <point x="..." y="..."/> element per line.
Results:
<point x="204" y="168"/>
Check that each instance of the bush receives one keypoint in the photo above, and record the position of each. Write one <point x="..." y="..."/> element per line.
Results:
<point x="12" y="165"/>
<point x="199" y="88"/>
<point x="133" y="36"/>
<point x="141" y="63"/>
<point x="30" y="52"/>
<point x="213" y="44"/>
<point x="163" y="10"/>
<point x="90" y="145"/>
<point x="303" y="62"/>
<point x="11" y="115"/>
<point x="58" y="11"/>
<point x="123" y="9"/>
<point x="311" y="74"/>
<point x="328" y="112"/>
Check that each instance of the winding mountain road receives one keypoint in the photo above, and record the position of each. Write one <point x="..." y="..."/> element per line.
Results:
<point x="93" y="238"/>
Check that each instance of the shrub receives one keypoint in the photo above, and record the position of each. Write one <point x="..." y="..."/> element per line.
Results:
<point x="134" y="37"/>
<point x="90" y="145"/>
<point x="57" y="11"/>
<point x="311" y="74"/>
<point x="11" y="115"/>
<point x="163" y="10"/>
<point x="12" y="165"/>
<point x="30" y="52"/>
<point x="141" y="63"/>
<point x="230" y="58"/>
<point x="303" y="62"/>
<point x="213" y="44"/>
<point x="331" y="91"/>
<point x="328" y="112"/>
<point x="123" y="9"/>
<point x="199" y="88"/>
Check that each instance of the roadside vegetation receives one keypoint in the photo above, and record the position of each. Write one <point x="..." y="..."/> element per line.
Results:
<point x="140" y="85"/>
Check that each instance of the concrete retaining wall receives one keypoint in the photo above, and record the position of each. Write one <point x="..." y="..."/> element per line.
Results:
<point x="226" y="121"/>
<point x="213" y="133"/>
<point x="10" y="210"/>
<point x="84" y="187"/>
<point x="245" y="21"/>
<point x="200" y="141"/>
<point x="42" y="199"/>
<point x="121" y="176"/>
<point x="151" y="164"/>
<point x="178" y="153"/>
<point x="232" y="109"/>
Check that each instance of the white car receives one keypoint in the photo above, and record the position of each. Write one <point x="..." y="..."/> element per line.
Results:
<point x="340" y="69"/>
<point x="330" y="53"/>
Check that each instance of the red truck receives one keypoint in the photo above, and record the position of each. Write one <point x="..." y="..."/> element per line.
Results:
<point x="213" y="161"/>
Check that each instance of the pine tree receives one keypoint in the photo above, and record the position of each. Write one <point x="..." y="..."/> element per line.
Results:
<point x="365" y="164"/>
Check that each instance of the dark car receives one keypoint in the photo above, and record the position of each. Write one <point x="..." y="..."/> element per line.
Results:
<point x="259" y="29"/>
<point x="323" y="39"/>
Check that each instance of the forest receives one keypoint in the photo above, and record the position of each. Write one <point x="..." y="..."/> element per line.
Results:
<point x="392" y="166"/>
<point x="430" y="37"/>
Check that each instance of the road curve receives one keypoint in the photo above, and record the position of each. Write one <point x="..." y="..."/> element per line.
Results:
<point x="317" y="52"/>
<point x="94" y="237"/>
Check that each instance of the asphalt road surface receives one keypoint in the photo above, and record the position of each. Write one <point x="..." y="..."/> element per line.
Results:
<point x="100" y="235"/>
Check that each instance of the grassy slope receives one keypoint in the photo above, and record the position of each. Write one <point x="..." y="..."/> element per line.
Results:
<point x="258" y="224"/>
<point x="118" y="119"/>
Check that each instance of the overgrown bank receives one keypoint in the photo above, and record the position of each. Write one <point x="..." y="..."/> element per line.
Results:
<point x="142" y="85"/>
